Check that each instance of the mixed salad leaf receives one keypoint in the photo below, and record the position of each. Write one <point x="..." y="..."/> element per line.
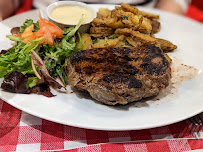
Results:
<point x="33" y="36"/>
<point x="27" y="23"/>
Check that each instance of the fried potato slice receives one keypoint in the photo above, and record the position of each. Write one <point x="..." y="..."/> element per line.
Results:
<point x="96" y="35"/>
<point x="124" y="31"/>
<point x="165" y="45"/>
<point x="145" y="26"/>
<point x="108" y="22"/>
<point x="123" y="43"/>
<point x="132" y="42"/>
<point x="105" y="31"/>
<point x="106" y="42"/>
<point x="156" y="26"/>
<point x="126" y="15"/>
<point x="114" y="13"/>
<point x="143" y="37"/>
<point x="103" y="13"/>
<point x="103" y="22"/>
<point x="149" y="15"/>
<point x="86" y="41"/>
<point x="129" y="19"/>
<point x="129" y="8"/>
<point x="117" y="24"/>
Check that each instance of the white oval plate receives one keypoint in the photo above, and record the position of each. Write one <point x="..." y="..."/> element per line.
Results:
<point x="69" y="109"/>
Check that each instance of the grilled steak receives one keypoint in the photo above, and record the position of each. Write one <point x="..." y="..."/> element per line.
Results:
<point x="119" y="75"/>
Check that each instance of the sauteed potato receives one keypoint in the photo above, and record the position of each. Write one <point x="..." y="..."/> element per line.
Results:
<point x="86" y="41"/>
<point x="105" y="31"/>
<point x="127" y="26"/>
<point x="107" y="42"/>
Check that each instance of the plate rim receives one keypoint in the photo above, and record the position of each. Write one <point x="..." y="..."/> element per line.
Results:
<point x="101" y="128"/>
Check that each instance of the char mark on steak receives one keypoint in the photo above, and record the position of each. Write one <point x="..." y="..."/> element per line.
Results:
<point x="119" y="75"/>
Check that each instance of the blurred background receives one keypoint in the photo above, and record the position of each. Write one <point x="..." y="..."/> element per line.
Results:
<point x="188" y="8"/>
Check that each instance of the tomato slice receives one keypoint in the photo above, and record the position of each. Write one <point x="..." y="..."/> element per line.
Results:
<point x="55" y="30"/>
<point x="26" y="40"/>
<point x="47" y="30"/>
<point x="48" y="37"/>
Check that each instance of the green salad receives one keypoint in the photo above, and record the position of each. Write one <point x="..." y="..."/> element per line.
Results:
<point x="18" y="58"/>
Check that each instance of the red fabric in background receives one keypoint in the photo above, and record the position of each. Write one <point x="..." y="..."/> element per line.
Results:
<point x="195" y="10"/>
<point x="198" y="4"/>
<point x="27" y="5"/>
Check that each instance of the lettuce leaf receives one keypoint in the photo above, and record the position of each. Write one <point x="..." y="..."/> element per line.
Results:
<point x="27" y="23"/>
<point x="18" y="58"/>
<point x="14" y="38"/>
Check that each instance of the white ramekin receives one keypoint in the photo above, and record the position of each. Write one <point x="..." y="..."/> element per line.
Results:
<point x="84" y="27"/>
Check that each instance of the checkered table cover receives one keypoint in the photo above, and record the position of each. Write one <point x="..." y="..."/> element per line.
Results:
<point x="23" y="132"/>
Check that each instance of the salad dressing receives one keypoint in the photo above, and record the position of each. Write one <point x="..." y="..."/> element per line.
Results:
<point x="71" y="14"/>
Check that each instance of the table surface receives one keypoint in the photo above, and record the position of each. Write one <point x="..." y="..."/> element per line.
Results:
<point x="22" y="132"/>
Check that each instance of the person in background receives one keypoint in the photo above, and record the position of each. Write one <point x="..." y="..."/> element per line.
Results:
<point x="174" y="6"/>
<point x="10" y="7"/>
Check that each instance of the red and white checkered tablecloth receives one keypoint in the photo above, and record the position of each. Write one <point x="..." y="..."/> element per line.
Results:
<point x="23" y="132"/>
